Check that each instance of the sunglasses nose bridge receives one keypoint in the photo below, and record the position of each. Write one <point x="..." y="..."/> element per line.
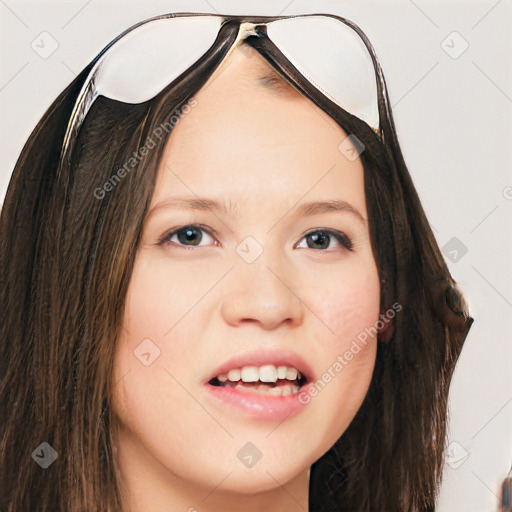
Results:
<point x="246" y="29"/>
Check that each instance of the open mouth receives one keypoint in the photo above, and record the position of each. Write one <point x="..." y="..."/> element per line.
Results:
<point x="262" y="380"/>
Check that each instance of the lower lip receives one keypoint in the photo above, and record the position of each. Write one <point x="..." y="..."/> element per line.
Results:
<point x="263" y="407"/>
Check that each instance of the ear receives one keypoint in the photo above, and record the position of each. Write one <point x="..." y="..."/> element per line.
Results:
<point x="386" y="322"/>
<point x="385" y="333"/>
<point x="449" y="304"/>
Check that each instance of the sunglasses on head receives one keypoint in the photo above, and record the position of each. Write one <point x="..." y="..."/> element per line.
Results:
<point x="324" y="49"/>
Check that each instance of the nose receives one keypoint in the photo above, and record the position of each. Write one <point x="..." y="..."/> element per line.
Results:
<point x="262" y="293"/>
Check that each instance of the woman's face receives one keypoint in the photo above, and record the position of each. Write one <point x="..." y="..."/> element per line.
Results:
<point x="253" y="278"/>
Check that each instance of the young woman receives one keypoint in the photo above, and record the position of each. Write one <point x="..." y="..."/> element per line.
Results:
<point x="219" y="288"/>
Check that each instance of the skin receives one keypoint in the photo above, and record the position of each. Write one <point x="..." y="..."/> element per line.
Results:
<point x="265" y="151"/>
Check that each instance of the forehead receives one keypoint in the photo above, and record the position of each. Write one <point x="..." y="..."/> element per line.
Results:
<point x="251" y="133"/>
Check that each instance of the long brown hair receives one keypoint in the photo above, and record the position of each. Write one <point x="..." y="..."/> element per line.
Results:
<point x="66" y="258"/>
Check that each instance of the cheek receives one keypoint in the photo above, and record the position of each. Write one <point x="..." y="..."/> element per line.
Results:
<point x="143" y="363"/>
<point x="160" y="319"/>
<point x="163" y="299"/>
<point x="349" y="307"/>
<point x="347" y="302"/>
<point x="149" y="399"/>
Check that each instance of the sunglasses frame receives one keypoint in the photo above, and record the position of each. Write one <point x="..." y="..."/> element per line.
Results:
<point x="248" y="26"/>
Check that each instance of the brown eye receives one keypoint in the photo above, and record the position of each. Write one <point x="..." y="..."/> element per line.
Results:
<point x="319" y="240"/>
<point x="322" y="238"/>
<point x="188" y="236"/>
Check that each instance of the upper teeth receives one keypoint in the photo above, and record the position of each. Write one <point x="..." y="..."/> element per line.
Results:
<point x="266" y="373"/>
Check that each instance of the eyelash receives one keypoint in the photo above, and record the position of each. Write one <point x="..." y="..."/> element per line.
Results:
<point x="341" y="237"/>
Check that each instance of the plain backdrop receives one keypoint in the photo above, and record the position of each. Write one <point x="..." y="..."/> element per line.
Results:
<point x="447" y="65"/>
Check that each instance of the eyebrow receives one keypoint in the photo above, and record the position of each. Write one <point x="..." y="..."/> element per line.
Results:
<point x="304" y="210"/>
<point x="334" y="205"/>
<point x="275" y="83"/>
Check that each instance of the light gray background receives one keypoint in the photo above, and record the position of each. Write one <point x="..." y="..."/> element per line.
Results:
<point x="453" y="118"/>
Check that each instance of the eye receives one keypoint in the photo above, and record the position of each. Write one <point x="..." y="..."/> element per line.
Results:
<point x="187" y="236"/>
<point x="321" y="239"/>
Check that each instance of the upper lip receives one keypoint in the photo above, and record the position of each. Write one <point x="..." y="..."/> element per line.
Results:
<point x="260" y="357"/>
